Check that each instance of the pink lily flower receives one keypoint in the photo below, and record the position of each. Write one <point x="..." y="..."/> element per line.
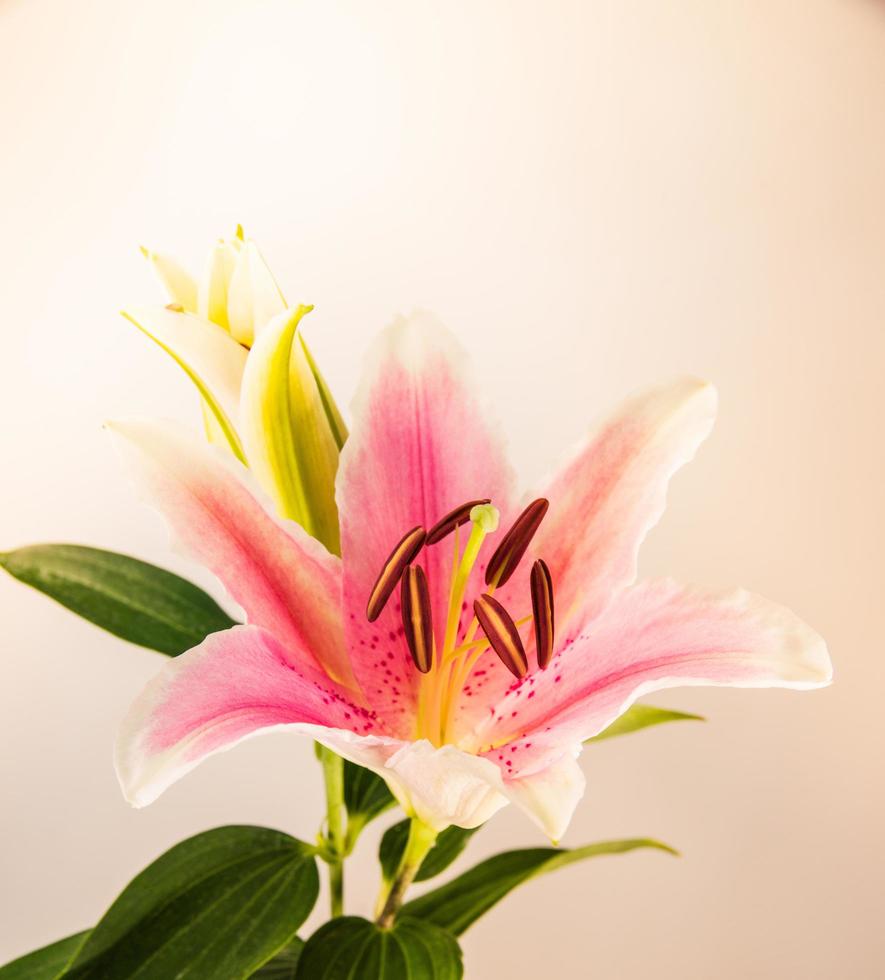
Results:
<point x="466" y="665"/>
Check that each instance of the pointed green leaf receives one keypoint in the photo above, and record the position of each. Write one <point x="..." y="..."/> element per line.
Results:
<point x="46" y="963"/>
<point x="290" y="446"/>
<point x="283" y="965"/>
<point x="129" y="598"/>
<point x="349" y="948"/>
<point x="218" y="905"/>
<point x="458" y="904"/>
<point x="641" y="716"/>
<point x="449" y="844"/>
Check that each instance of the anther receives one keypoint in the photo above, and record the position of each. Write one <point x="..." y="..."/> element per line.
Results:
<point x="502" y="633"/>
<point x="417" y="620"/>
<point x="509" y="552"/>
<point x="175" y="307"/>
<point x="401" y="556"/>
<point x="455" y="518"/>
<point x="542" y="611"/>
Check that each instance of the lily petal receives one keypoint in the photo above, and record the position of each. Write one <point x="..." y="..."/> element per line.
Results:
<point x="654" y="636"/>
<point x="549" y="797"/>
<point x="236" y="684"/>
<point x="613" y="491"/>
<point x="178" y="284"/>
<point x="290" y="446"/>
<point x="420" y="447"/>
<point x="602" y="504"/>
<point x="210" y="358"/>
<point x="285" y="580"/>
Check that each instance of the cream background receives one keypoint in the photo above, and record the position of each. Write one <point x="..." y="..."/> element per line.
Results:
<point x="595" y="196"/>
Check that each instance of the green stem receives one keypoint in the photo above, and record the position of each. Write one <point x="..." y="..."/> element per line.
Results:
<point x="333" y="773"/>
<point x="421" y="839"/>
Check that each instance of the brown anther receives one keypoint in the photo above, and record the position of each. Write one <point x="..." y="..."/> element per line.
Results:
<point x="509" y="552"/>
<point x="388" y="579"/>
<point x="502" y="633"/>
<point x="455" y="518"/>
<point x="417" y="620"/>
<point x="175" y="307"/>
<point x="542" y="611"/>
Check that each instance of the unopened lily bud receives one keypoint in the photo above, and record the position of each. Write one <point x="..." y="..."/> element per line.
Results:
<point x="253" y="297"/>
<point x="177" y="283"/>
<point x="212" y="298"/>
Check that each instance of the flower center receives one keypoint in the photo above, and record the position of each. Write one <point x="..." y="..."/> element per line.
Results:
<point x="445" y="665"/>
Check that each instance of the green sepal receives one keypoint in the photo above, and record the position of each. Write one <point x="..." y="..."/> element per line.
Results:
<point x="351" y="947"/>
<point x="127" y="597"/>
<point x="458" y="904"/>
<point x="640" y="716"/>
<point x="448" y="846"/>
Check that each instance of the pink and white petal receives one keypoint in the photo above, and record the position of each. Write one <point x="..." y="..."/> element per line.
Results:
<point x="444" y="786"/>
<point x="284" y="580"/>
<point x="549" y="797"/>
<point x="420" y="445"/>
<point x="655" y="636"/>
<point x="236" y="684"/>
<point x="613" y="491"/>
<point x="603" y="502"/>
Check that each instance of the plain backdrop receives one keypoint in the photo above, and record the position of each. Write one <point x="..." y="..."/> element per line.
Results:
<point x="594" y="196"/>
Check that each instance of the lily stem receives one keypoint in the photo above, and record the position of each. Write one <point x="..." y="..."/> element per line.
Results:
<point x="421" y="839"/>
<point x="333" y="773"/>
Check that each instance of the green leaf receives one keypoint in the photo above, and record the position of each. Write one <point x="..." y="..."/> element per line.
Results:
<point x="458" y="904"/>
<point x="641" y="716"/>
<point x="284" y="964"/>
<point x="366" y="796"/>
<point x="46" y="963"/>
<point x="129" y="598"/>
<point x="350" y="948"/>
<point x="218" y="905"/>
<point x="449" y="844"/>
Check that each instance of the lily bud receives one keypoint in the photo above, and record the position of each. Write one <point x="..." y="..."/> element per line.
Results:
<point x="212" y="296"/>
<point x="502" y="633"/>
<point x="417" y="620"/>
<point x="286" y="435"/>
<point x="253" y="297"/>
<point x="509" y="552"/>
<point x="177" y="283"/>
<point x="400" y="558"/>
<point x="542" y="611"/>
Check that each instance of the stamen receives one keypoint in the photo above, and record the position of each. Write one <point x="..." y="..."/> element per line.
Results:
<point x="417" y="620"/>
<point x="401" y="556"/>
<point x="542" y="609"/>
<point x="509" y="552"/>
<point x="455" y="518"/>
<point x="175" y="307"/>
<point x="502" y="633"/>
